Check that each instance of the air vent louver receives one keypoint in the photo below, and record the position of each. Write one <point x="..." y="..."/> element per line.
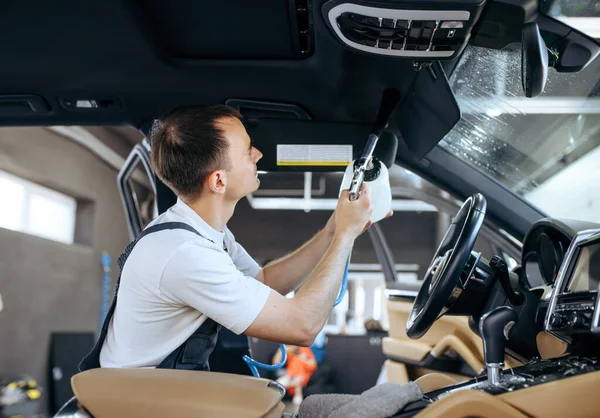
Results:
<point x="423" y="34"/>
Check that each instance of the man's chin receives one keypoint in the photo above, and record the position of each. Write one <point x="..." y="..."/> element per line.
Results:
<point x="255" y="188"/>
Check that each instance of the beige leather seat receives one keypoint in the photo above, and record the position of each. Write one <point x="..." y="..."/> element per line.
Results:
<point x="152" y="393"/>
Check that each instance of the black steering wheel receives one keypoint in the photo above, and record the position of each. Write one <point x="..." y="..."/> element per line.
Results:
<point x="446" y="267"/>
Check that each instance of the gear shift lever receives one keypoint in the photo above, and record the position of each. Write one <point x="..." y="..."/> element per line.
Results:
<point x="494" y="327"/>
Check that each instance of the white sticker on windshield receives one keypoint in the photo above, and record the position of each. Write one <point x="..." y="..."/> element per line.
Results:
<point x="314" y="155"/>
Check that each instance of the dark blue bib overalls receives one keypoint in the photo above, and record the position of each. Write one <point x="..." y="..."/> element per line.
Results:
<point x="193" y="354"/>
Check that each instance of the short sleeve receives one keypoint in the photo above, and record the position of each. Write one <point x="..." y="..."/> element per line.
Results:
<point x="205" y="278"/>
<point x="242" y="260"/>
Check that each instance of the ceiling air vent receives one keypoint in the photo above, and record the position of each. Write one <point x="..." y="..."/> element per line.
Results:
<point x="425" y="34"/>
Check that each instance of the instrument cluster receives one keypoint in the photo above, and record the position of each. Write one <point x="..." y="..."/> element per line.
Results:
<point x="545" y="254"/>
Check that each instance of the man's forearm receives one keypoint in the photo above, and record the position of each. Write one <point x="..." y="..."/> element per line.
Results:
<point x="287" y="273"/>
<point x="298" y="320"/>
<point x="316" y="297"/>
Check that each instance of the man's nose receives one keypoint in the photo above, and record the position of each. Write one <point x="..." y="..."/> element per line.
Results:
<point x="257" y="155"/>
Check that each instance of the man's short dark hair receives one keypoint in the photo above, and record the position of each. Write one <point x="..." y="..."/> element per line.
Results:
<point x="187" y="145"/>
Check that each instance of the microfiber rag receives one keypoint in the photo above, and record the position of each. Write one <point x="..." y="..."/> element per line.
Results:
<point x="381" y="401"/>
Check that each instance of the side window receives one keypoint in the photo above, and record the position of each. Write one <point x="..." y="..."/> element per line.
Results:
<point x="137" y="187"/>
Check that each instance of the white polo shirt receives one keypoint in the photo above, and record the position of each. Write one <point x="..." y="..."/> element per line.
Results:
<point x="172" y="282"/>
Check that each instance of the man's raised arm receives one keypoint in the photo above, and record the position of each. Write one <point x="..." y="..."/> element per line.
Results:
<point x="298" y="320"/>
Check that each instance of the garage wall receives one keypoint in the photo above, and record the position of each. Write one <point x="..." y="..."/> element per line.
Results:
<point x="48" y="286"/>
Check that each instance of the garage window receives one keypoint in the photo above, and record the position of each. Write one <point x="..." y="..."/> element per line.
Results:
<point x="33" y="209"/>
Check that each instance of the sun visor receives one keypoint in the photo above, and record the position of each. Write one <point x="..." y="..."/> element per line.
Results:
<point x="428" y="111"/>
<point x="304" y="145"/>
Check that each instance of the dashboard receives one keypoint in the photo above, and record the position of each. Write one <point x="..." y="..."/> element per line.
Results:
<point x="545" y="248"/>
<point x="561" y="264"/>
<point x="559" y="277"/>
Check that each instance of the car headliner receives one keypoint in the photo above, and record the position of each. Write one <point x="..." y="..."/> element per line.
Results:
<point x="103" y="49"/>
<point x="149" y="56"/>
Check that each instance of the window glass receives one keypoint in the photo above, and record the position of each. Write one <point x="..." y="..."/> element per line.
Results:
<point x="30" y="208"/>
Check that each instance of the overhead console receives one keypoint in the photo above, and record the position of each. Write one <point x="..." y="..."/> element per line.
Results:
<point x="424" y="30"/>
<point x="574" y="306"/>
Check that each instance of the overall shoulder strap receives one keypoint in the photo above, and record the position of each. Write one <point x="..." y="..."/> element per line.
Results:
<point x="167" y="225"/>
<point x="151" y="230"/>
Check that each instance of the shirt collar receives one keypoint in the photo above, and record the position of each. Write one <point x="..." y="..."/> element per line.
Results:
<point x="182" y="209"/>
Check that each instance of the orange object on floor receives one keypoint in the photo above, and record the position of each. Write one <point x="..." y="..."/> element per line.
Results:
<point x="301" y="363"/>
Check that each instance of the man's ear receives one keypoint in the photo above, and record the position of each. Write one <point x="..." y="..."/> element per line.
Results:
<point x="217" y="181"/>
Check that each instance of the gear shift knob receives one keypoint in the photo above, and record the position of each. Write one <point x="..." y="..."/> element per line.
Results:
<point x="494" y="328"/>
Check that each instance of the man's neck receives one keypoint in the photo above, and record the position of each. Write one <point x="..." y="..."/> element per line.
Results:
<point x="215" y="212"/>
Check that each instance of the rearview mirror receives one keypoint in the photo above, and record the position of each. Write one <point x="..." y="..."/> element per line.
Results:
<point x="534" y="61"/>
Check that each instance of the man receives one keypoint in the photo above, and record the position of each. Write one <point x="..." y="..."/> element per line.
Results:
<point x="178" y="286"/>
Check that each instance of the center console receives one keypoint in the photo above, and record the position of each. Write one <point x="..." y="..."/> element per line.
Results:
<point x="535" y="373"/>
<point x="574" y="306"/>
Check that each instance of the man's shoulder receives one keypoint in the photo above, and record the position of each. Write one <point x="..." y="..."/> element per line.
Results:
<point x="171" y="255"/>
<point x="162" y="245"/>
<point x="171" y="240"/>
<point x="180" y="227"/>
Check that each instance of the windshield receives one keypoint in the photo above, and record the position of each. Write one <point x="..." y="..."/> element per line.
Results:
<point x="582" y="15"/>
<point x="546" y="149"/>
